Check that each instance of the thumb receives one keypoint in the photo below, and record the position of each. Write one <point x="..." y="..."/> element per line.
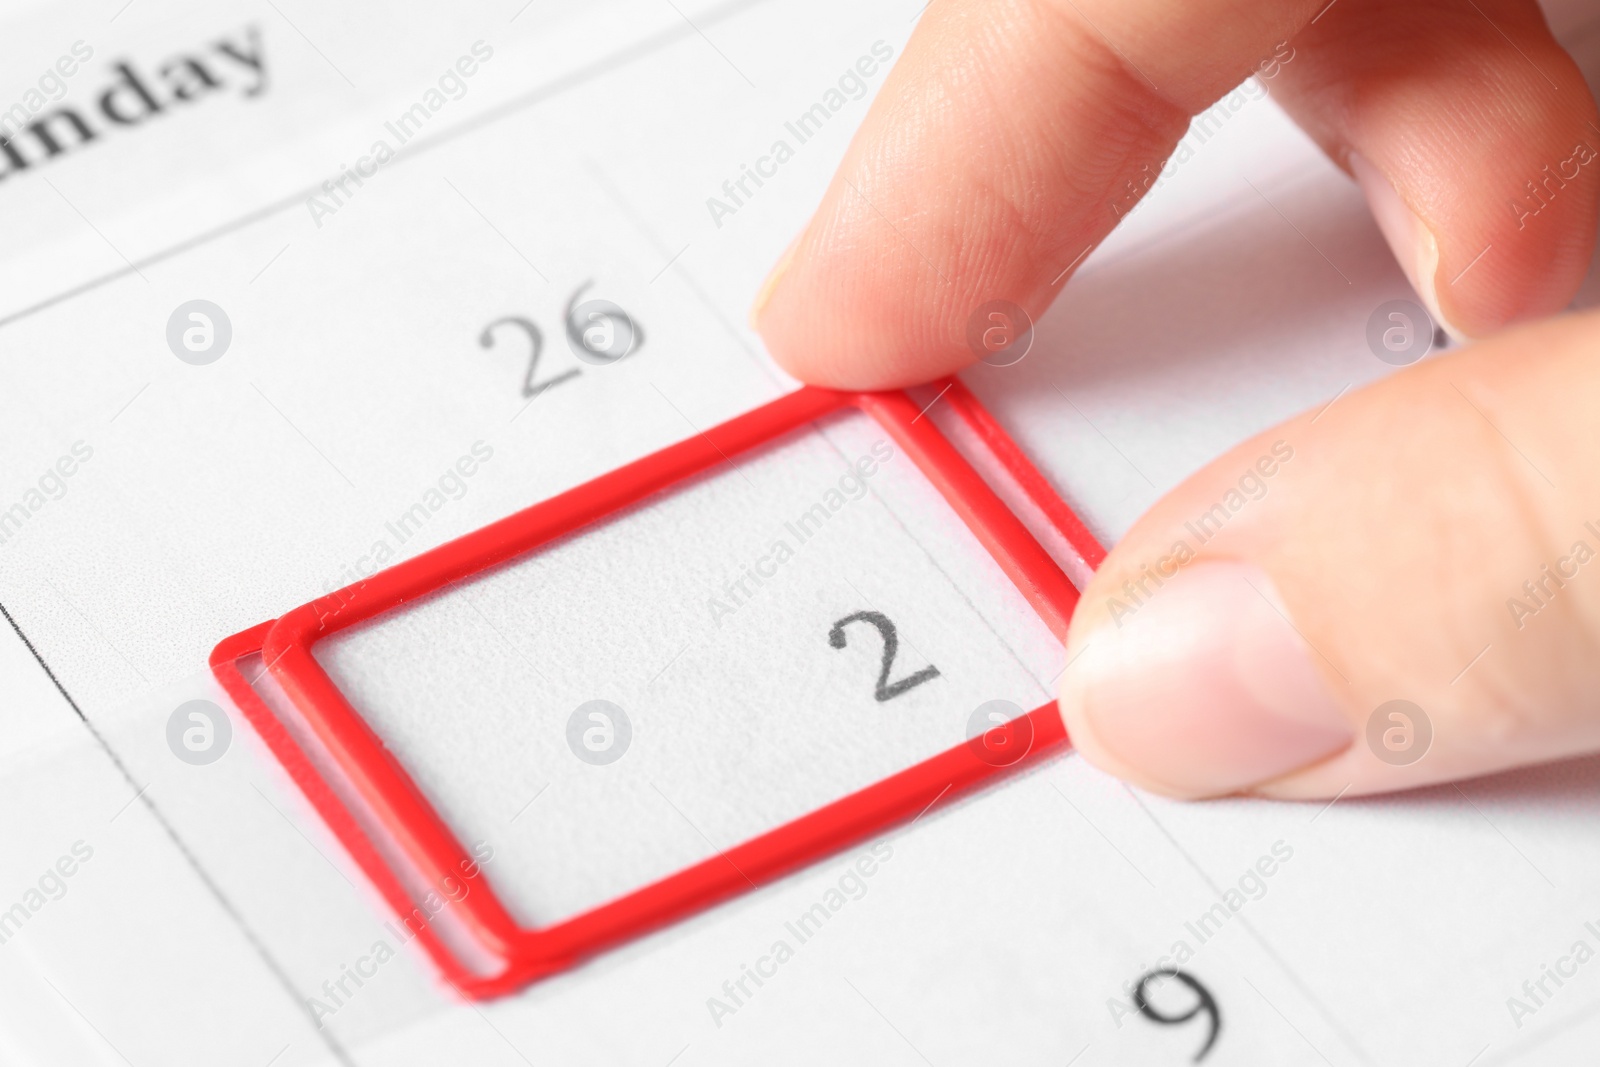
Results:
<point x="1432" y="540"/>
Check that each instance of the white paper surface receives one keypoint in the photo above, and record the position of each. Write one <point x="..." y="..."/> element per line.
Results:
<point x="740" y="713"/>
<point x="1000" y="930"/>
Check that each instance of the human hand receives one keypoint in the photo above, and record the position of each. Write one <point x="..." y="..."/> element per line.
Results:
<point x="1408" y="551"/>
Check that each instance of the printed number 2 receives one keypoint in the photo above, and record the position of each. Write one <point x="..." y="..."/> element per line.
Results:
<point x="1203" y="1002"/>
<point x="530" y="388"/>
<point x="891" y="644"/>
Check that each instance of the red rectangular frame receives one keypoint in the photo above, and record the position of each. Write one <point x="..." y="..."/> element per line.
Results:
<point x="404" y="813"/>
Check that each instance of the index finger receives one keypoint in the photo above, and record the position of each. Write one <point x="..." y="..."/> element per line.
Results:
<point x="990" y="163"/>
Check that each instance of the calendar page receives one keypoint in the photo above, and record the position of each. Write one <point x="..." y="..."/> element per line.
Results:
<point x="294" y="293"/>
<point x="762" y="649"/>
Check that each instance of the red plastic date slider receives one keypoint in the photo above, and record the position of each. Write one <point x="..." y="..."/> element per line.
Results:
<point x="376" y="809"/>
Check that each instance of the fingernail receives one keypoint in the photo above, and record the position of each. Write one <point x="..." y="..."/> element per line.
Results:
<point x="774" y="276"/>
<point x="1413" y="244"/>
<point x="1204" y="688"/>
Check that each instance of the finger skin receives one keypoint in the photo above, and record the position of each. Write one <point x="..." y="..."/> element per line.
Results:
<point x="1476" y="115"/>
<point x="1399" y="537"/>
<point x="1012" y="136"/>
<point x="987" y="165"/>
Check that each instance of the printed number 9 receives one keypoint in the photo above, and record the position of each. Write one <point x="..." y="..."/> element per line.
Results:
<point x="1203" y="1002"/>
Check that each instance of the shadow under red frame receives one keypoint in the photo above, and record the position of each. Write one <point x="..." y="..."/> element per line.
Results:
<point x="434" y="852"/>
